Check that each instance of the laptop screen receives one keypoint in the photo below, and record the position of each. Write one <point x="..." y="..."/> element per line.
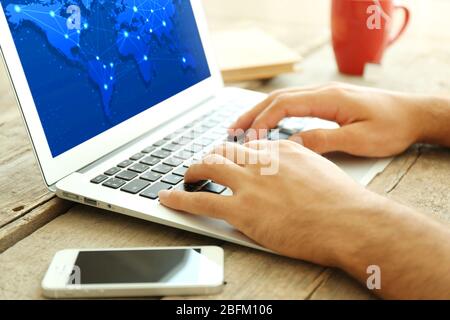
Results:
<point x="92" y="64"/>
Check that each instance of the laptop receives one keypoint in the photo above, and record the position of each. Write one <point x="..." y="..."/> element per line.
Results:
<point x="120" y="97"/>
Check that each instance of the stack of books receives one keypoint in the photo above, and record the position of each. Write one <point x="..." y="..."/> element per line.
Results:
<point x="252" y="54"/>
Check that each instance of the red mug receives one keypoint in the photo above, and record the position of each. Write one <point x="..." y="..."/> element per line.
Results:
<point x="362" y="31"/>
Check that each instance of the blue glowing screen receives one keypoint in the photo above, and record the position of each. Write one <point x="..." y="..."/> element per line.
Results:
<point x="92" y="64"/>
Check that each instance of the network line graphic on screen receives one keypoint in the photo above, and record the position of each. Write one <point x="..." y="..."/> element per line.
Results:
<point x="78" y="32"/>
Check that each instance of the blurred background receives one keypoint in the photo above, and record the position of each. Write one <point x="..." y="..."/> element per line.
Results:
<point x="300" y="24"/>
<point x="304" y="26"/>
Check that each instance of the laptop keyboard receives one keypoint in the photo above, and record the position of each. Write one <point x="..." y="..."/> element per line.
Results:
<point x="162" y="165"/>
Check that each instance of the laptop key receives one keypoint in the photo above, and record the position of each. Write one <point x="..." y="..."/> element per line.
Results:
<point x="137" y="156"/>
<point x="218" y="136"/>
<point x="171" y="147"/>
<point x="213" y="188"/>
<point x="279" y="136"/>
<point x="200" y="130"/>
<point x="172" y="179"/>
<point x="208" y="124"/>
<point x="194" y="148"/>
<point x="162" y="154"/>
<point x="152" y="192"/>
<point x="151" y="176"/>
<point x="135" y="186"/>
<point x="114" y="183"/>
<point x="150" y="161"/>
<point x="171" y="136"/>
<point x="112" y="171"/>
<point x="162" y="168"/>
<point x="190" y="187"/>
<point x="173" y="162"/>
<point x="184" y="155"/>
<point x="139" y="167"/>
<point x="181" y="171"/>
<point x="189" y="163"/>
<point x="190" y="135"/>
<point x="183" y="141"/>
<point x="149" y="149"/>
<point x="204" y="142"/>
<point x="190" y="125"/>
<point x="127" y="175"/>
<point x="160" y="143"/>
<point x="99" y="179"/>
<point x="220" y="132"/>
<point x="125" y="164"/>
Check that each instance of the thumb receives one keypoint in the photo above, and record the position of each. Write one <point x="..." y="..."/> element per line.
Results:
<point x="324" y="140"/>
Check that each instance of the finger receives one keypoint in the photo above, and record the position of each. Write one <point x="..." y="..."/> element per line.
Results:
<point x="328" y="104"/>
<point x="199" y="203"/>
<point x="236" y="153"/>
<point x="245" y="121"/>
<point x="217" y="168"/>
<point x="327" y="140"/>
<point x="257" y="144"/>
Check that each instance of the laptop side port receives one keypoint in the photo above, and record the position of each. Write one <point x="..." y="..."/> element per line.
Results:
<point x="90" y="202"/>
<point x="70" y="196"/>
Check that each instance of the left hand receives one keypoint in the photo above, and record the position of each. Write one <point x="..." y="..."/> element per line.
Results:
<point x="372" y="122"/>
<point x="303" y="210"/>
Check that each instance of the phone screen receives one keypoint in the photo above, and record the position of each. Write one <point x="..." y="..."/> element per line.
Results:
<point x="180" y="266"/>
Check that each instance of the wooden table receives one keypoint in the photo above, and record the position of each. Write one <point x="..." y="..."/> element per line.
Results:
<point x="34" y="224"/>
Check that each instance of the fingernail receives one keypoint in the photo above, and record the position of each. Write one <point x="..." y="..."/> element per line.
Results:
<point x="163" y="195"/>
<point x="296" y="139"/>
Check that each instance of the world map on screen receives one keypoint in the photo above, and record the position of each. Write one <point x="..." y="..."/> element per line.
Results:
<point x="109" y="41"/>
<point x="139" y="26"/>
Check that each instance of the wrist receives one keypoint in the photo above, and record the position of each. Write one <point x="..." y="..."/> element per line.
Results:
<point x="410" y="251"/>
<point x="431" y="118"/>
<point x="368" y="225"/>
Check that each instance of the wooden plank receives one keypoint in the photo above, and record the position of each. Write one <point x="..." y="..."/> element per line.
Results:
<point x="407" y="66"/>
<point x="24" y="226"/>
<point x="250" y="274"/>
<point x="339" y="286"/>
<point x="426" y="185"/>
<point x="21" y="186"/>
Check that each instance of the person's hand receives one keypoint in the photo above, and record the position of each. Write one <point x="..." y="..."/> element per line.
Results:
<point x="305" y="209"/>
<point x="373" y="123"/>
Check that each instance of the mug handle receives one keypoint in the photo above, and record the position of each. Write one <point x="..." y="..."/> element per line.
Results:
<point x="405" y="24"/>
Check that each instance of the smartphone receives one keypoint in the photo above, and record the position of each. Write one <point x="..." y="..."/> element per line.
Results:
<point x="139" y="272"/>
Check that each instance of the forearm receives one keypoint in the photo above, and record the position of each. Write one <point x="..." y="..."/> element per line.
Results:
<point x="411" y="250"/>
<point x="433" y="120"/>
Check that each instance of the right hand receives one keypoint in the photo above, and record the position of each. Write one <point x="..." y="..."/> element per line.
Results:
<point x="284" y="199"/>
<point x="373" y="123"/>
